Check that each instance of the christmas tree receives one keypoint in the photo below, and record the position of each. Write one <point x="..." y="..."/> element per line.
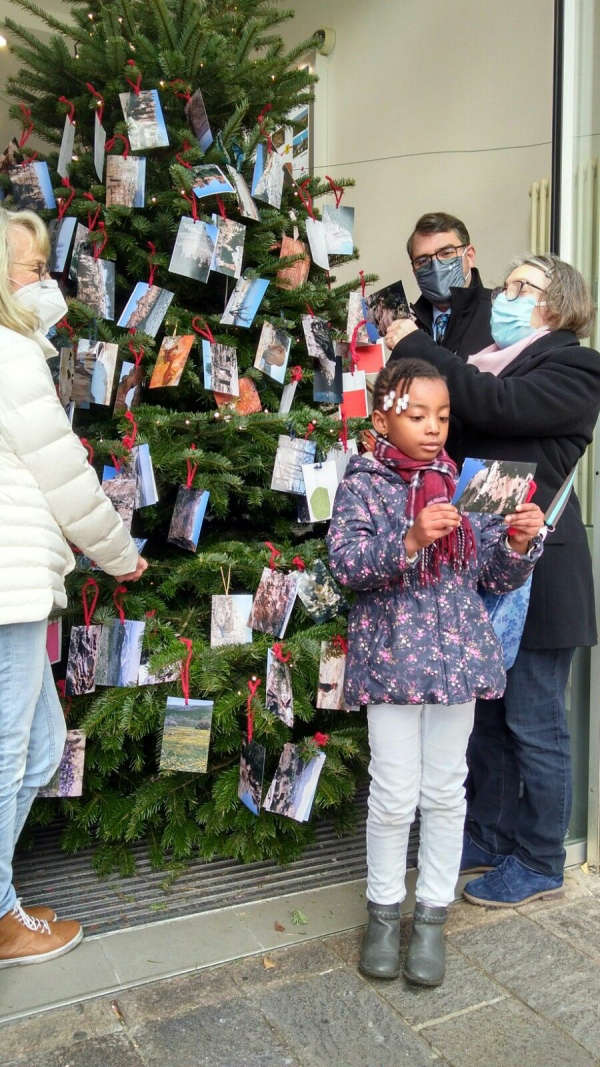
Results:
<point x="155" y="235"/>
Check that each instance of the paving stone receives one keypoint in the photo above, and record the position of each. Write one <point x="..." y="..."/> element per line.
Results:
<point x="285" y="964"/>
<point x="113" y="1050"/>
<point x="506" y="1034"/>
<point x="231" y="1034"/>
<point x="464" y="916"/>
<point x="545" y="972"/>
<point x="175" y="996"/>
<point x="40" y="1033"/>
<point x="338" y="1019"/>
<point x="579" y="924"/>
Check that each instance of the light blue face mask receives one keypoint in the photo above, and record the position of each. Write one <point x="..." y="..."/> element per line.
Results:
<point x="511" y="319"/>
<point x="436" y="280"/>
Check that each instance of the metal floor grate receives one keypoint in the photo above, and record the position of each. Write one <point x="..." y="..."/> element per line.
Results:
<point x="46" y="875"/>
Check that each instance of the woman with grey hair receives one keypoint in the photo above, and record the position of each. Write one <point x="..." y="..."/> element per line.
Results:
<point x="49" y="496"/>
<point x="533" y="395"/>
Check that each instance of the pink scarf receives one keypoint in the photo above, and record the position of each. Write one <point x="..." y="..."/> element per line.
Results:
<point x="493" y="359"/>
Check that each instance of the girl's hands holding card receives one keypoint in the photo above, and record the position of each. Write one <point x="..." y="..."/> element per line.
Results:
<point x="432" y="522"/>
<point x="524" y="524"/>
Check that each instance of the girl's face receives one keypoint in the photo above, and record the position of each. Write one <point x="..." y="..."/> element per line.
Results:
<point x="420" y="431"/>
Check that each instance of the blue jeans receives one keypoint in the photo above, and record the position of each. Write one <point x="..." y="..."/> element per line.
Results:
<point x="32" y="736"/>
<point x="519" y="784"/>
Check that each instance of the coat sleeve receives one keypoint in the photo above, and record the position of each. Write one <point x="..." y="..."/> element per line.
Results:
<point x="359" y="557"/>
<point x="554" y="398"/>
<point x="501" y="569"/>
<point x="37" y="429"/>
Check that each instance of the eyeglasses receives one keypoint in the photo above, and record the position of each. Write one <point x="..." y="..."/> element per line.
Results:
<point x="513" y="290"/>
<point x="442" y="255"/>
<point x="41" y="269"/>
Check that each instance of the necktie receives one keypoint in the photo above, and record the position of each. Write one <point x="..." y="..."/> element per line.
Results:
<point x="439" y="327"/>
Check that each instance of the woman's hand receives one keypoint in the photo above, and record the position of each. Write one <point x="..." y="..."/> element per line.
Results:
<point x="526" y="522"/>
<point x="141" y="566"/>
<point x="398" y="331"/>
<point x="431" y="523"/>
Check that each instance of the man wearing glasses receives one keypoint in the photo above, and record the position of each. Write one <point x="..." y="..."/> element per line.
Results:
<point x="454" y="306"/>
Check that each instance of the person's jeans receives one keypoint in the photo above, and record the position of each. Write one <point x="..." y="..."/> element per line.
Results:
<point x="519" y="785"/>
<point x="418" y="757"/>
<point x="32" y="736"/>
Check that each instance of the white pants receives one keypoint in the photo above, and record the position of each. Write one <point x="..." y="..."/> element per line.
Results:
<point x="418" y="757"/>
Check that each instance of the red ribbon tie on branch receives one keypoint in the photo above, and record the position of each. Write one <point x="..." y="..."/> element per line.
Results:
<point x="100" y="245"/>
<point x="191" y="200"/>
<point x="260" y="120"/>
<point x="64" y="204"/>
<point x="64" y="325"/>
<point x="320" y="739"/>
<point x="118" y="593"/>
<point x="361" y="275"/>
<point x="343" y="434"/>
<point x="70" y="105"/>
<point x="151" y="263"/>
<point x="90" y="451"/>
<point x="99" y="98"/>
<point x="253" y="684"/>
<point x="221" y="207"/>
<point x="275" y="552"/>
<point x="182" y="96"/>
<point x="136" y="86"/>
<point x="306" y="200"/>
<point x="353" y="353"/>
<point x="299" y="563"/>
<point x="341" y="643"/>
<point x="310" y="310"/>
<point x="89" y="609"/>
<point x="27" y="125"/>
<point x="296" y="374"/>
<point x="129" y="438"/>
<point x="283" y="657"/>
<point x="137" y="353"/>
<point x="310" y="429"/>
<point x="336" y="190"/>
<point x="116" y="462"/>
<point x="204" y="331"/>
<point x="191" y="470"/>
<point x="185" y="668"/>
<point x="110" y="144"/>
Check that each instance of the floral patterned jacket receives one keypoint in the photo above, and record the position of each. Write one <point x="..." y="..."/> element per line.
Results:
<point x="429" y="644"/>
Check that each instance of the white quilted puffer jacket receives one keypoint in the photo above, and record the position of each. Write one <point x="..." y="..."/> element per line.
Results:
<point x="48" y="491"/>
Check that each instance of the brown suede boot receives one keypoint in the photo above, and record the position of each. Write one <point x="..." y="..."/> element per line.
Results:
<point x="25" y="939"/>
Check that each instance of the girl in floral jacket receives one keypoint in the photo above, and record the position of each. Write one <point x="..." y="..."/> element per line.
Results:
<point x="420" y="649"/>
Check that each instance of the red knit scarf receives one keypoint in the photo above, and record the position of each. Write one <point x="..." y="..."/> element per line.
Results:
<point x="431" y="482"/>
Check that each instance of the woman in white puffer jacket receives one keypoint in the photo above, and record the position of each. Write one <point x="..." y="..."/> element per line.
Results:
<point x="49" y="494"/>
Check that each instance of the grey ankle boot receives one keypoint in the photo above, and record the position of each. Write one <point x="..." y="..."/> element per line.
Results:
<point x="380" y="952"/>
<point x="426" y="957"/>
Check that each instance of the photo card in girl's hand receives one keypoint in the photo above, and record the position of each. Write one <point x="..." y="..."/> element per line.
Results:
<point x="229" y="620"/>
<point x="171" y="361"/>
<point x="186" y="735"/>
<point x="84" y="645"/>
<point x="319" y="593"/>
<point x="494" y="486"/>
<point x="220" y="368"/>
<point x="332" y="668"/>
<point x="125" y="181"/>
<point x="193" y="250"/>
<point x="252" y="772"/>
<point x="144" y="117"/>
<point x="188" y="516"/>
<point x="146" y="308"/>
<point x="279" y="698"/>
<point x="273" y="602"/>
<point x="292" y="453"/>
<point x="293" y="788"/>
<point x="120" y="653"/>
<point x="67" y="780"/>
<point x="273" y="351"/>
<point x="96" y="284"/>
<point x="321" y="482"/>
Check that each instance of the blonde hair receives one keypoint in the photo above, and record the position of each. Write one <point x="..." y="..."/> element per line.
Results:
<point x="12" y="314"/>
<point x="569" y="304"/>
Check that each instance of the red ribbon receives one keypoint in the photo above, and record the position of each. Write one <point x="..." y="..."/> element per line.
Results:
<point x="118" y="593"/>
<point x="90" y="451"/>
<point x="61" y="685"/>
<point x="100" y="109"/>
<point x="336" y="190"/>
<point x="89" y="609"/>
<point x="283" y="657"/>
<point x="310" y="310"/>
<point x="27" y="125"/>
<point x="191" y="200"/>
<point x="343" y="434"/>
<point x="64" y="205"/>
<point x="185" y="668"/>
<point x="116" y="462"/>
<point x="299" y="563"/>
<point x="320" y="739"/>
<point x="64" y="325"/>
<point x="184" y="148"/>
<point x="151" y="263"/>
<point x="100" y="245"/>
<point x="137" y="353"/>
<point x="71" y="106"/>
<point x="310" y="429"/>
<point x="92" y="219"/>
<point x="306" y="200"/>
<point x="182" y="96"/>
<point x="353" y="354"/>
<point x="203" y="332"/>
<point x="110" y="144"/>
<point x="191" y="470"/>
<point x="361" y="275"/>
<point x="253" y="684"/>
<point x="221" y="207"/>
<point x="341" y="643"/>
<point x="136" y="86"/>
<point x="275" y="552"/>
<point x="296" y="374"/>
<point x="261" y="125"/>
<point x="129" y="438"/>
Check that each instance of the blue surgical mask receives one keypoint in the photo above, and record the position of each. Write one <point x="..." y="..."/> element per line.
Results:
<point x="436" y="281"/>
<point x="511" y="319"/>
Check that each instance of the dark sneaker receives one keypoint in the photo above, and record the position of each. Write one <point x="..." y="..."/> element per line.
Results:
<point x="512" y="884"/>
<point x="475" y="859"/>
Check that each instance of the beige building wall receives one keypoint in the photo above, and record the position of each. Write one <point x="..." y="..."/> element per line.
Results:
<point x="444" y="105"/>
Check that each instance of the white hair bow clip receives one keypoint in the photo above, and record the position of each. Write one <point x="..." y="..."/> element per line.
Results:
<point x="401" y="404"/>
<point x="388" y="400"/>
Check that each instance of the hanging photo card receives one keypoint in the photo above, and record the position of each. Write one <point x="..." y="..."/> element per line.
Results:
<point x="54" y="640"/>
<point x="292" y="791"/>
<point x="120" y="652"/>
<point x="186" y="735"/>
<point x="354" y="401"/>
<point x="247" y="403"/>
<point x="125" y="181"/>
<point x="273" y="352"/>
<point x="229" y="248"/>
<point x="83" y="370"/>
<point x="282" y="140"/>
<point x="356" y="314"/>
<point x="245" y="202"/>
<point x="320" y="345"/>
<point x="296" y="274"/>
<point x="371" y="358"/>
<point x="62" y="232"/>
<point x="321" y="484"/>
<point x="99" y="143"/>
<point x="273" y="602"/>
<point x="146" y="492"/>
<point x="129" y="387"/>
<point x="279" y="698"/>
<point x="382" y="308"/>
<point x="208" y="180"/>
<point x="327" y="386"/>
<point x="96" y="285"/>
<point x="220" y="368"/>
<point x="193" y="250"/>
<point x="287" y="397"/>
<point x="79" y="249"/>
<point x="315" y="231"/>
<point x="95" y="364"/>
<point x="338" y="223"/>
<point x="267" y="179"/>
<point x="188" y="516"/>
<point x="292" y="453"/>
<point x="84" y="644"/>
<point x="229" y="620"/>
<point x="144" y="117"/>
<point x="332" y="668"/>
<point x="319" y="593"/>
<point x="147" y="676"/>
<point x="66" y="374"/>
<point x="300" y="117"/>
<point x="493" y="486"/>
<point x="244" y="302"/>
<point x="85" y="564"/>
<point x="32" y="187"/>
<point x="252" y="772"/>
<point x="341" y="456"/>
<point x="66" y="148"/>
<point x="121" y="491"/>
<point x="171" y="361"/>
<point x="146" y="308"/>
<point x="195" y="113"/>
<point x="67" y="780"/>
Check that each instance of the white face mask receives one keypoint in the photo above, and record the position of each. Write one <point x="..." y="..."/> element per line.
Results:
<point x="45" y="299"/>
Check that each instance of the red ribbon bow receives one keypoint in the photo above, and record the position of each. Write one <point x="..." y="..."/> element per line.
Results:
<point x="320" y="739"/>
<point x="299" y="563"/>
<point x="191" y="200"/>
<point x="112" y="141"/>
<point x="185" y="668"/>
<point x="353" y="340"/>
<point x="117" y="595"/>
<point x="64" y="205"/>
<point x="253" y="684"/>
<point x="343" y="434"/>
<point x="136" y="86"/>
<point x="64" y="325"/>
<point x="27" y="125"/>
<point x="99" y="98"/>
<point x="191" y="470"/>
<point x="151" y="263"/>
<point x="137" y="353"/>
<point x="310" y="429"/>
<point x="71" y="106"/>
<point x="275" y="552"/>
<point x="283" y="657"/>
<point x="341" y="643"/>
<point x="336" y="189"/>
<point x="89" y="609"/>
<point x="296" y="374"/>
<point x="182" y="96"/>
<point x="306" y="200"/>
<point x="204" y="332"/>
<point x="361" y="275"/>
<point x="129" y="438"/>
<point x="100" y="245"/>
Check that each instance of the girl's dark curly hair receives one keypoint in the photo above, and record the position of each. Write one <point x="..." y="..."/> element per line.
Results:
<point x="401" y="372"/>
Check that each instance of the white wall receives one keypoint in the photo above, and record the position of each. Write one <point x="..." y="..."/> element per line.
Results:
<point x="444" y="105"/>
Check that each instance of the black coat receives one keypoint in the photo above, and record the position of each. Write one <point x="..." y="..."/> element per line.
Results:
<point x="542" y="408"/>
<point x="468" y="329"/>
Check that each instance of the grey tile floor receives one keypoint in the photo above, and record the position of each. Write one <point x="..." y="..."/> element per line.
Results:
<point x="522" y="988"/>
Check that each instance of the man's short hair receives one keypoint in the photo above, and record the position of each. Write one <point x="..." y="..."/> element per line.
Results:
<point x="438" y="222"/>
